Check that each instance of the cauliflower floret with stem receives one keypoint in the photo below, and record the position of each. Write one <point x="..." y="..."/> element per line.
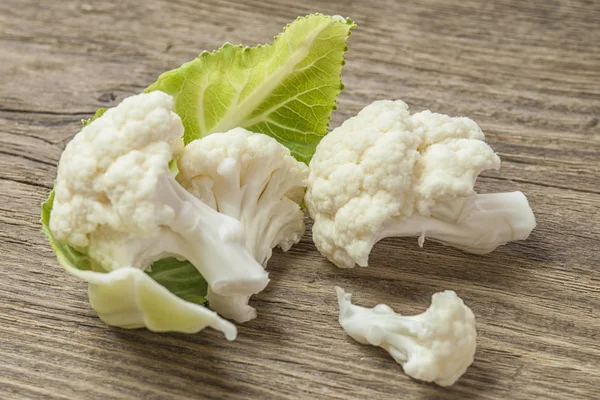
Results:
<point x="253" y="178"/>
<point x="116" y="199"/>
<point x="386" y="172"/>
<point x="435" y="346"/>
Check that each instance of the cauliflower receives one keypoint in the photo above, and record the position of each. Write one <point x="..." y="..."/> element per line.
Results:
<point x="254" y="179"/>
<point x="435" y="346"/>
<point x="387" y="173"/>
<point x="117" y="200"/>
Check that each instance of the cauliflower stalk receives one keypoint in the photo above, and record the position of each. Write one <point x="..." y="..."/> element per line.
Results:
<point x="435" y="346"/>
<point x="254" y="179"/>
<point x="387" y="173"/>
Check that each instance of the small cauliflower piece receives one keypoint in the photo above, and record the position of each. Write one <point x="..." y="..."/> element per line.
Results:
<point x="253" y="178"/>
<point x="117" y="201"/>
<point x="387" y="173"/>
<point x="435" y="346"/>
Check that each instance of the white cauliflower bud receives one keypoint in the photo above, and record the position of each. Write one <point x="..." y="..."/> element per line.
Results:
<point x="254" y="179"/>
<point x="117" y="200"/>
<point x="388" y="173"/>
<point x="435" y="346"/>
<point x="141" y="133"/>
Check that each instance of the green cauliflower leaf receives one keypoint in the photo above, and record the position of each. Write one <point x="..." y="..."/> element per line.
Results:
<point x="286" y="90"/>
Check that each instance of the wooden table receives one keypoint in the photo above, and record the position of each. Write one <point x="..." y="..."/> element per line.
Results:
<point x="528" y="73"/>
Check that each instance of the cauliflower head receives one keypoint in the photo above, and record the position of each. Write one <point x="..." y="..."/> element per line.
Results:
<point x="252" y="178"/>
<point x="108" y="172"/>
<point x="446" y="337"/>
<point x="386" y="172"/>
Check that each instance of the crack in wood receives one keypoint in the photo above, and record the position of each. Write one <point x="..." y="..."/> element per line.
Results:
<point x="526" y="71"/>
<point x="48" y="112"/>
<point x="35" y="160"/>
<point x="24" y="182"/>
<point x="499" y="178"/>
<point x="47" y="141"/>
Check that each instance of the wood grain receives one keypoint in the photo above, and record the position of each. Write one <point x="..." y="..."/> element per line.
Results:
<point x="528" y="72"/>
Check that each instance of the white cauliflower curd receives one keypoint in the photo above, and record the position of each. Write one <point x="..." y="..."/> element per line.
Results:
<point x="386" y="172"/>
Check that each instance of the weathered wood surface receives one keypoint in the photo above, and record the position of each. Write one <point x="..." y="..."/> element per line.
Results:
<point x="528" y="72"/>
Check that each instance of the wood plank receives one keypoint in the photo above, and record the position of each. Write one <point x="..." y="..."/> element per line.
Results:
<point x="527" y="72"/>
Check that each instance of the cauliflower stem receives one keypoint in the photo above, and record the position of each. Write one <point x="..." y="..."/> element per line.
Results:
<point x="255" y="180"/>
<point x="213" y="242"/>
<point x="465" y="223"/>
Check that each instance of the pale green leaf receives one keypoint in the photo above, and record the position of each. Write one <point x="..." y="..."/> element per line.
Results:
<point x="181" y="278"/>
<point x="287" y="89"/>
<point x="97" y="114"/>
<point x="128" y="298"/>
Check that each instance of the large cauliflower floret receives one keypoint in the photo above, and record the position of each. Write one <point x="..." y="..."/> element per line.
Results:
<point x="254" y="179"/>
<point x="117" y="200"/>
<point x="435" y="346"/>
<point x="387" y="173"/>
<point x="102" y="176"/>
